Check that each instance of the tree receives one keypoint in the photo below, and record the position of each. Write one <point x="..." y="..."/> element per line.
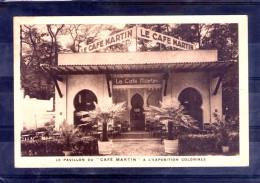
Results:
<point x="80" y="34"/>
<point x="53" y="31"/>
<point x="104" y="114"/>
<point x="39" y="46"/>
<point x="224" y="38"/>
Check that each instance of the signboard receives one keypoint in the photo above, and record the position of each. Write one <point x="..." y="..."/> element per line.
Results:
<point x="136" y="80"/>
<point x="162" y="38"/>
<point x="111" y="40"/>
<point x="140" y="33"/>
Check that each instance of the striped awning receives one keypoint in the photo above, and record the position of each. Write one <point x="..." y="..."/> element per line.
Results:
<point x="136" y="68"/>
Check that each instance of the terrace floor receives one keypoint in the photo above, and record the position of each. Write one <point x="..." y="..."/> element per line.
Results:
<point x="138" y="148"/>
<point x="138" y="143"/>
<point x="141" y="143"/>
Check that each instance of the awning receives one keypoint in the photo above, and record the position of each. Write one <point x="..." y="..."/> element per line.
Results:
<point x="137" y="68"/>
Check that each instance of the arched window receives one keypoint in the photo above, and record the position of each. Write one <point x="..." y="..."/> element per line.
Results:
<point x="84" y="100"/>
<point x="153" y="99"/>
<point x="120" y="98"/>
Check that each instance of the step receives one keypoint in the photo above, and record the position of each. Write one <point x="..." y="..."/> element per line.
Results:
<point x="137" y="140"/>
<point x="135" y="135"/>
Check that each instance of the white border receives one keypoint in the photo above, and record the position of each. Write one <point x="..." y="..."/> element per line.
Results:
<point x="210" y="161"/>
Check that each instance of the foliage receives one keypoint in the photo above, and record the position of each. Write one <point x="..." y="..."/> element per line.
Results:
<point x="27" y="132"/>
<point x="41" y="129"/>
<point x="85" y="146"/>
<point x="38" y="47"/>
<point x="104" y="114"/>
<point x="234" y="142"/>
<point x="222" y="128"/>
<point x="41" y="148"/>
<point x="198" y="143"/>
<point x="68" y="134"/>
<point x="230" y="92"/>
<point x="80" y="147"/>
<point x="80" y="34"/>
<point x="174" y="112"/>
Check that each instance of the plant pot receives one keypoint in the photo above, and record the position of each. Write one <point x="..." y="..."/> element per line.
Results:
<point x="105" y="147"/>
<point x="225" y="149"/>
<point x="171" y="146"/>
<point x="67" y="153"/>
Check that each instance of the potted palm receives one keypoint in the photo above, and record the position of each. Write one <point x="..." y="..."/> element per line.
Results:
<point x="221" y="129"/>
<point x="176" y="119"/>
<point x="68" y="133"/>
<point x="105" y="114"/>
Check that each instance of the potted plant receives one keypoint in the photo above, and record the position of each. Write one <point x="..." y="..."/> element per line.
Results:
<point x="177" y="121"/>
<point x="171" y="143"/>
<point x="221" y="129"/>
<point x="68" y="133"/>
<point x="105" y="114"/>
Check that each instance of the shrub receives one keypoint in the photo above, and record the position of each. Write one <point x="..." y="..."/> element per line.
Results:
<point x="27" y="132"/>
<point x="54" y="148"/>
<point x="41" y="148"/>
<point x="234" y="142"/>
<point x="198" y="143"/>
<point x="81" y="146"/>
<point x="41" y="129"/>
<point x="85" y="146"/>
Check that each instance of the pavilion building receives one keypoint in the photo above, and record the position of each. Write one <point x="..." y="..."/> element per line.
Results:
<point x="140" y="79"/>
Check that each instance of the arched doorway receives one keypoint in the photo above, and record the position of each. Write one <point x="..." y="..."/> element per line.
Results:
<point x="83" y="101"/>
<point x="191" y="99"/>
<point x="137" y="113"/>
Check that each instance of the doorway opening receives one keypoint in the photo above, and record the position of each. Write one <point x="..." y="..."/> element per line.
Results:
<point x="137" y="117"/>
<point x="83" y="101"/>
<point x="191" y="99"/>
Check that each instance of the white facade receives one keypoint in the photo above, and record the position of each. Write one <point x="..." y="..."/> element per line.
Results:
<point x="202" y="81"/>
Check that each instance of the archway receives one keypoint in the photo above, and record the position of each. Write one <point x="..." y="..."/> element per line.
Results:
<point x="83" y="101"/>
<point x="136" y="113"/>
<point x="153" y="99"/>
<point x="191" y="99"/>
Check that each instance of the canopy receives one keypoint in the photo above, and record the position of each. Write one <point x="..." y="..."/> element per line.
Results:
<point x="137" y="68"/>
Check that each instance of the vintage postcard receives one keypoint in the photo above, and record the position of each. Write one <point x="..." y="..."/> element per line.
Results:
<point x="131" y="91"/>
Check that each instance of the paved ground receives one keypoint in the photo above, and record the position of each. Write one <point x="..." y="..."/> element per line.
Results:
<point x="142" y="144"/>
<point x="139" y="148"/>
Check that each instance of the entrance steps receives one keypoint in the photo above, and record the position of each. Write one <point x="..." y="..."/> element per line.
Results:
<point x="136" y="140"/>
<point x="135" y="136"/>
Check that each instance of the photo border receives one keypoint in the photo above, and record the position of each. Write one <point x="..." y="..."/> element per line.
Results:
<point x="226" y="161"/>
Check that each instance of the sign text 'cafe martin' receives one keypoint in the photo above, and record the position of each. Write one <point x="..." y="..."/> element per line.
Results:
<point x="136" y="80"/>
<point x="140" y="33"/>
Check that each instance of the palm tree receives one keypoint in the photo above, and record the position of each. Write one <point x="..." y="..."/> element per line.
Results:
<point x="174" y="113"/>
<point x="105" y="114"/>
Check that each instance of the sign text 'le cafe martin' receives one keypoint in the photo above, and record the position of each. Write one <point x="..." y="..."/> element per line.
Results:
<point x="138" y="32"/>
<point x="136" y="80"/>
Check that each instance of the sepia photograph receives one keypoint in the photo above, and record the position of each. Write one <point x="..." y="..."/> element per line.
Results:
<point x="131" y="91"/>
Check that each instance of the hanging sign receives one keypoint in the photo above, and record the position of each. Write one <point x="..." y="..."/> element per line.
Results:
<point x="162" y="38"/>
<point x="111" y="40"/>
<point x="140" y="33"/>
<point x="136" y="80"/>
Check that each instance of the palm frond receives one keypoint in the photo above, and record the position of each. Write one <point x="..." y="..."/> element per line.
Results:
<point x="171" y="110"/>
